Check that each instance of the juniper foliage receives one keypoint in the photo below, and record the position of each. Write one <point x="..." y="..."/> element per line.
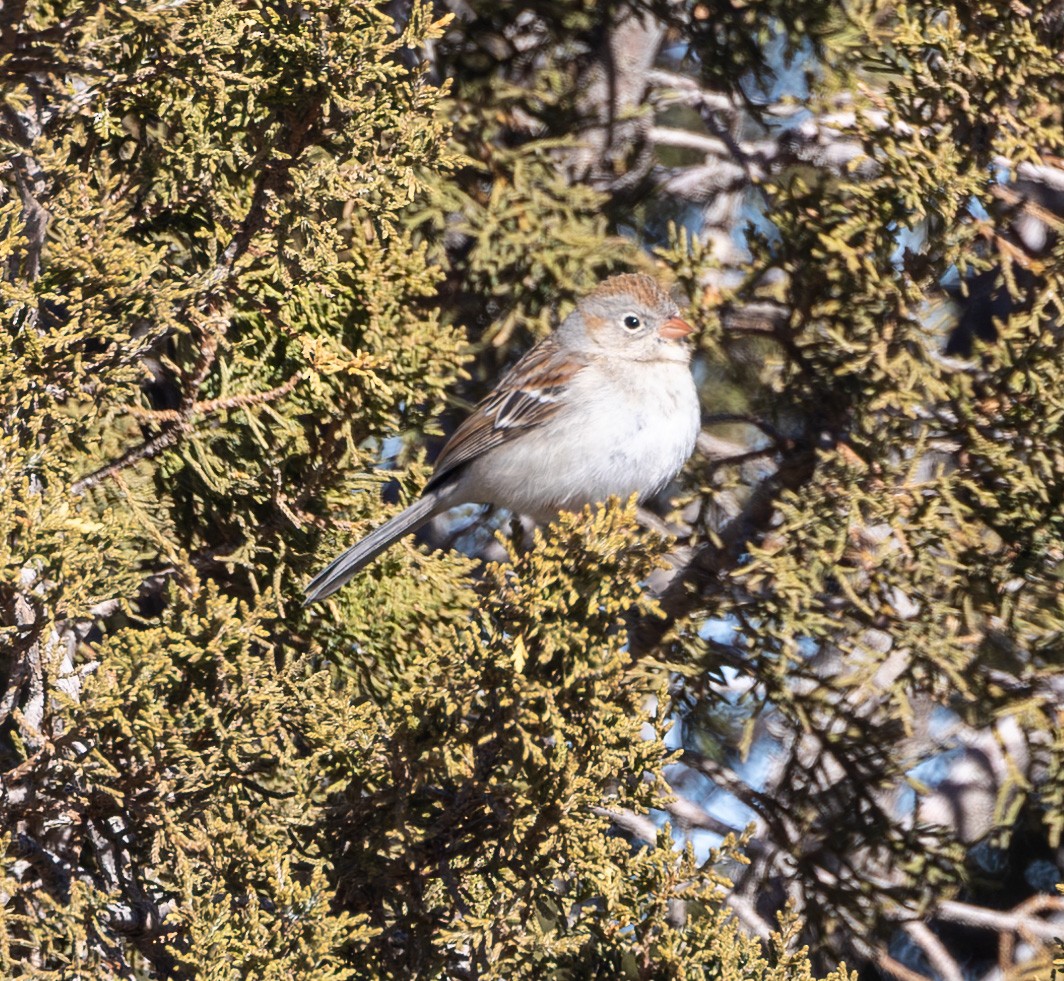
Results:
<point x="247" y="245"/>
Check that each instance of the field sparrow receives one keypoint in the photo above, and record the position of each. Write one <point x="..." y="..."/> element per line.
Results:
<point x="605" y="405"/>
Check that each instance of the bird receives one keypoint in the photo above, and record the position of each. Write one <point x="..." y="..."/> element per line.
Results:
<point x="604" y="406"/>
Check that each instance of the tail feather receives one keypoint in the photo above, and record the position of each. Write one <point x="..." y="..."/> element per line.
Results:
<point x="359" y="555"/>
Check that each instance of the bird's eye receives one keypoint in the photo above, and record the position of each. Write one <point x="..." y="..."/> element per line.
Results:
<point x="632" y="322"/>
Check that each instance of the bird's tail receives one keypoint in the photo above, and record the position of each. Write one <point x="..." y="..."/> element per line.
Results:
<point x="359" y="555"/>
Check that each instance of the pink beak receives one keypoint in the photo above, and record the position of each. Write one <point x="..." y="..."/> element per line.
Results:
<point x="674" y="328"/>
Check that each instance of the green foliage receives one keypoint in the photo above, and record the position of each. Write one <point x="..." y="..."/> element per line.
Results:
<point x="220" y="228"/>
<point x="243" y="245"/>
<point x="473" y="827"/>
<point x="914" y="558"/>
<point x="511" y="729"/>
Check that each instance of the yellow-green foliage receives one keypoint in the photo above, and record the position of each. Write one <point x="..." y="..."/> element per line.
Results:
<point x="220" y="230"/>
<point x="919" y="520"/>
<point x="245" y="244"/>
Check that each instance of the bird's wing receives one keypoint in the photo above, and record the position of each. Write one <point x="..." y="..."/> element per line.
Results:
<point x="528" y="395"/>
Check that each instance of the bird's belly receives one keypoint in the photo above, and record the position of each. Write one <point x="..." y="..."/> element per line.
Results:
<point x="586" y="454"/>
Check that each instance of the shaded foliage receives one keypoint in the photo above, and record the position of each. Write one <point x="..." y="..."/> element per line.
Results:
<point x="247" y="245"/>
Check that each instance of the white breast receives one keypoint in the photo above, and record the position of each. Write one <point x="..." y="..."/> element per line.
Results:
<point x="624" y="430"/>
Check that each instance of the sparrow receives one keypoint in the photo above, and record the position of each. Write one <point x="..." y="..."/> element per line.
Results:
<point x="606" y="405"/>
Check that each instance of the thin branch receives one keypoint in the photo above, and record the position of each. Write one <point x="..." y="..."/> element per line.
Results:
<point x="180" y="425"/>
<point x="689" y="815"/>
<point x="648" y="519"/>
<point x="271" y="179"/>
<point x="762" y="152"/>
<point x="703" y="575"/>
<point x="145" y="451"/>
<point x="210" y="406"/>
<point x="727" y="779"/>
<point x="18" y="772"/>
<point x="247" y="400"/>
<point x="140" y="919"/>
<point x="937" y="955"/>
<point x="769" y="430"/>
<point x="717" y="448"/>
<point x="896" y="968"/>
<point x="1028" y="206"/>
<point x="738" y="151"/>
<point x="640" y="826"/>
<point x="1017" y="920"/>
<point x="672" y="88"/>
<point x="764" y="319"/>
<point x="747" y="914"/>
<point x="746" y="457"/>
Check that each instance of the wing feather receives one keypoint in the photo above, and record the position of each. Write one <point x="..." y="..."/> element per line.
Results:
<point x="526" y="397"/>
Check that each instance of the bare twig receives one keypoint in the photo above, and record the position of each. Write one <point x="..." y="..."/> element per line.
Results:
<point x="710" y="145"/>
<point x="769" y="430"/>
<point x="747" y="914"/>
<point x="727" y="779"/>
<point x="689" y="815"/>
<point x="271" y="180"/>
<point x="718" y="448"/>
<point x="638" y="825"/>
<point x="144" y="451"/>
<point x="178" y="426"/>
<point x="672" y="88"/>
<point x="1028" y="928"/>
<point x="937" y="955"/>
<point x="210" y="406"/>
<point x="896" y="968"/>
<point x="1020" y="919"/>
